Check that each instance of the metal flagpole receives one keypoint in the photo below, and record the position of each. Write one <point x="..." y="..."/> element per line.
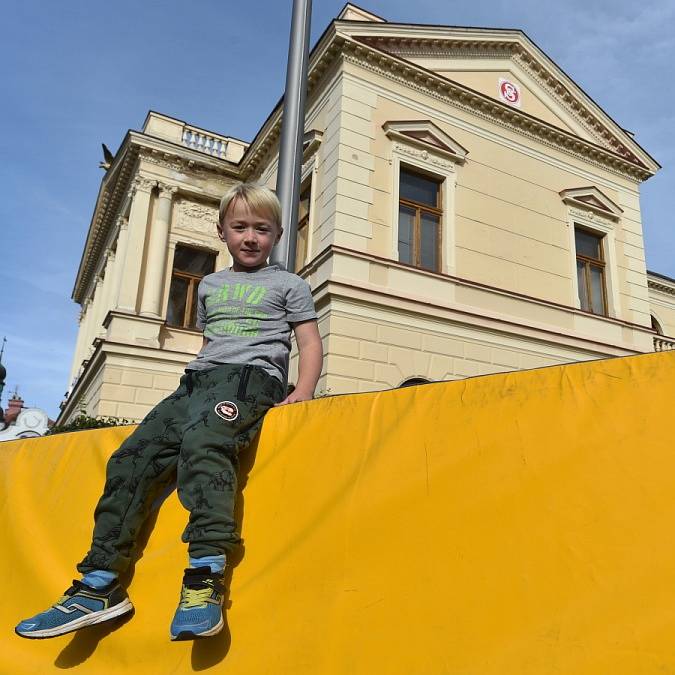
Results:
<point x="292" y="131"/>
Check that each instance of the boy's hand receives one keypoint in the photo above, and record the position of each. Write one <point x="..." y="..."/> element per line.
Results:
<point x="296" y="396"/>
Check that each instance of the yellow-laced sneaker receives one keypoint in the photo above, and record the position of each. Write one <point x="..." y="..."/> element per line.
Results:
<point x="200" y="609"/>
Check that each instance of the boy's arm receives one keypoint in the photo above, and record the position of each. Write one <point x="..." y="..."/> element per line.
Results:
<point x="311" y="359"/>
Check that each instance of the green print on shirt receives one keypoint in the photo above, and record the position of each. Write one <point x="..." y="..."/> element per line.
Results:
<point x="236" y="310"/>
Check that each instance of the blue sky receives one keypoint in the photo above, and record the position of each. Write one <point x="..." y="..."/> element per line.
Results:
<point x="80" y="72"/>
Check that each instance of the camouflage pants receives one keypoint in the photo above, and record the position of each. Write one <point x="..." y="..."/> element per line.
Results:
<point x="193" y="436"/>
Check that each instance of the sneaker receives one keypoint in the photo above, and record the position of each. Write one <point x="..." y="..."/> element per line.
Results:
<point x="80" y="606"/>
<point x="199" y="612"/>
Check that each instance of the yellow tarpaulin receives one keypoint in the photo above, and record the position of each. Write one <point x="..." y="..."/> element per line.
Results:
<point x="516" y="524"/>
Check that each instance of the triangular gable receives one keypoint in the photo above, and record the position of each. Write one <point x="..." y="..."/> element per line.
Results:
<point x="455" y="52"/>
<point x="591" y="198"/>
<point x="425" y="134"/>
<point x="351" y="12"/>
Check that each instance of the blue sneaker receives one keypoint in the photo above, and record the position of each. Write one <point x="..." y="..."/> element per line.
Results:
<point x="79" y="606"/>
<point x="200" y="610"/>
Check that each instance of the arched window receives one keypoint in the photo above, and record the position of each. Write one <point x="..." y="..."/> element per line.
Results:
<point x="657" y="326"/>
<point x="413" y="382"/>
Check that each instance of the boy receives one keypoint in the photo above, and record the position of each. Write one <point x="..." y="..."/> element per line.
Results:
<point x="246" y="313"/>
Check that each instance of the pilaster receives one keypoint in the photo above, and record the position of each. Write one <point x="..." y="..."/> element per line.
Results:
<point x="106" y="296"/>
<point x="157" y="254"/>
<point x="133" y="259"/>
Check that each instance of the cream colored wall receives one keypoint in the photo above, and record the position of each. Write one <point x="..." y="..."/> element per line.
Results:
<point x="370" y="348"/>
<point x="130" y="391"/>
<point x="511" y="227"/>
<point x="511" y="230"/>
<point x="88" y="399"/>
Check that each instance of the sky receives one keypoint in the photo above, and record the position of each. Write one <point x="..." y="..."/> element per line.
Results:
<point x="78" y="73"/>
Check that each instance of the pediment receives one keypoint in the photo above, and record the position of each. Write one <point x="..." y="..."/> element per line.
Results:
<point x="310" y="143"/>
<point x="425" y="134"/>
<point x="591" y="198"/>
<point x="483" y="59"/>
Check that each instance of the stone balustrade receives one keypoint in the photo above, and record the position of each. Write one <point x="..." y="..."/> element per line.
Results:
<point x="663" y="344"/>
<point x="203" y="141"/>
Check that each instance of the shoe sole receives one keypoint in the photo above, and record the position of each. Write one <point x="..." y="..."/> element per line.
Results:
<point x="190" y="635"/>
<point x="84" y="621"/>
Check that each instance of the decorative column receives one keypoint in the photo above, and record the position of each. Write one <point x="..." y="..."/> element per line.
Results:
<point x="86" y="331"/>
<point x="120" y="255"/>
<point x="108" y="282"/>
<point x="133" y="258"/>
<point x="157" y="250"/>
<point x="97" y="307"/>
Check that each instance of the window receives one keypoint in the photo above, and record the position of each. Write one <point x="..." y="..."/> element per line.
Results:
<point x="419" y="220"/>
<point x="590" y="271"/>
<point x="189" y="266"/>
<point x="303" y="229"/>
<point x="414" y="382"/>
<point x="656" y="325"/>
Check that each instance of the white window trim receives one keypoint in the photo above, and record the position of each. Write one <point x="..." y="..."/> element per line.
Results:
<point x="309" y="171"/>
<point x="435" y="165"/>
<point x="605" y="228"/>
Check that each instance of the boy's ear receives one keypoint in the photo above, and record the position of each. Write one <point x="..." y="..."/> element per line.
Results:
<point x="279" y="233"/>
<point x="221" y="231"/>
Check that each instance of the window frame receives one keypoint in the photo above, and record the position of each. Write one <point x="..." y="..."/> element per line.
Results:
<point x="589" y="262"/>
<point x="411" y="157"/>
<point x="420" y="208"/>
<point x="307" y="185"/>
<point x="601" y="227"/>
<point x="193" y="280"/>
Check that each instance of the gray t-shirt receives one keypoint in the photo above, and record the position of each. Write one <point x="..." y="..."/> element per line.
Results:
<point x="246" y="318"/>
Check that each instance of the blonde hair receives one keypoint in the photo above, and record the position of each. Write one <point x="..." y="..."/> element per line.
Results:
<point x="258" y="198"/>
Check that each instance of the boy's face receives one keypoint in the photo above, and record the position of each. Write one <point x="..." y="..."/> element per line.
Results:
<point x="249" y="236"/>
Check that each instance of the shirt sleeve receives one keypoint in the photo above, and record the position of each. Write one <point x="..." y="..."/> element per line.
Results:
<point x="299" y="301"/>
<point x="201" y="307"/>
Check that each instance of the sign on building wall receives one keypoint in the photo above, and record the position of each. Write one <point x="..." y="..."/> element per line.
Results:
<point x="509" y="92"/>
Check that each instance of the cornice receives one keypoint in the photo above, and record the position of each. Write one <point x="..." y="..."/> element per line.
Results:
<point x="114" y="189"/>
<point x="662" y="285"/>
<point x="181" y="158"/>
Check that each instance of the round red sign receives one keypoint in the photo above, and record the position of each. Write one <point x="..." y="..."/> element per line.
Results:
<point x="509" y="92"/>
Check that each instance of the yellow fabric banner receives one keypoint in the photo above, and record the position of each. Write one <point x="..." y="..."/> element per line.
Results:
<point x="511" y="524"/>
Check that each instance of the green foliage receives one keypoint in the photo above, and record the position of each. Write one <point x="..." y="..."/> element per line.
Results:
<point x="84" y="421"/>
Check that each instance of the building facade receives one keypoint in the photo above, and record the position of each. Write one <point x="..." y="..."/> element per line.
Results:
<point x="466" y="209"/>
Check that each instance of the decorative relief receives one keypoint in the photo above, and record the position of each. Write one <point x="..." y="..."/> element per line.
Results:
<point x="185" y="167"/>
<point x="660" y="287"/>
<point x="197" y="217"/>
<point x="142" y="184"/>
<point x="591" y="216"/>
<point x="165" y="161"/>
<point x="166" y="190"/>
<point x="424" y="156"/>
